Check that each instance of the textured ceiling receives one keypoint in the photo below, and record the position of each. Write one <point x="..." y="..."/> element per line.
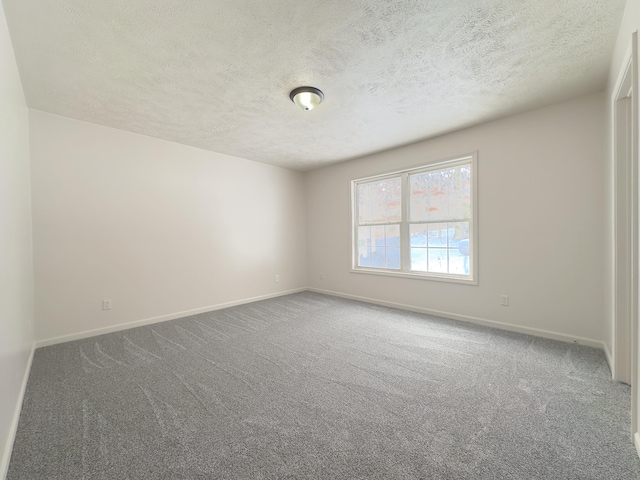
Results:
<point x="216" y="74"/>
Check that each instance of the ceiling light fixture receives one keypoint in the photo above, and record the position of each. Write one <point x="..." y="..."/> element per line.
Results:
<point x="306" y="98"/>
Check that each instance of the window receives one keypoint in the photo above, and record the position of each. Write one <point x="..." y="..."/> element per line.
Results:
<point x="419" y="222"/>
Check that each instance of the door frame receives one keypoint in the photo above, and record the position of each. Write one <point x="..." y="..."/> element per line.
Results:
<point x="626" y="247"/>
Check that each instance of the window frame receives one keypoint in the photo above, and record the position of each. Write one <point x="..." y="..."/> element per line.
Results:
<point x="405" y="260"/>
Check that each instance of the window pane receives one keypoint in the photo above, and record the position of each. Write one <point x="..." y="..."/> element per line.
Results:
<point x="364" y="236"/>
<point x="418" y="235"/>
<point x="459" y="236"/>
<point x="438" y="260"/>
<point x="459" y="253"/>
<point x="458" y="231"/>
<point x="364" y="257"/>
<point x="378" y="237"/>
<point x="379" y="246"/>
<point x="380" y="201"/>
<point x="458" y="263"/>
<point x="364" y="246"/>
<point x="365" y="203"/>
<point x="443" y="194"/>
<point x="437" y="234"/>
<point x="393" y="257"/>
<point x="419" y="259"/>
<point x="378" y="258"/>
<point x="461" y="185"/>
<point x="393" y="235"/>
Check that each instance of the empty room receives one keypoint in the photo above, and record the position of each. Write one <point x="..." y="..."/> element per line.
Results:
<point x="346" y="240"/>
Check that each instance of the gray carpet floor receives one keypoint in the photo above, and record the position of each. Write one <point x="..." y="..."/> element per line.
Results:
<point x="311" y="386"/>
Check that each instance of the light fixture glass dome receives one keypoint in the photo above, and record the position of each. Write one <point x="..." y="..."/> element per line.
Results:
<point x="306" y="98"/>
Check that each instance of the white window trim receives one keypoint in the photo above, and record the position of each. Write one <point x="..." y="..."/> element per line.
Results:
<point x="471" y="279"/>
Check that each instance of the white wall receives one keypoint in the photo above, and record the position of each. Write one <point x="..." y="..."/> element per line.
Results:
<point x="540" y="220"/>
<point x="16" y="267"/>
<point x="157" y="227"/>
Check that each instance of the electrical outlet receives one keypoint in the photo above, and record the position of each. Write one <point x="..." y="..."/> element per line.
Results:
<point x="277" y="278"/>
<point x="106" y="304"/>
<point x="505" y="301"/>
<point x="322" y="276"/>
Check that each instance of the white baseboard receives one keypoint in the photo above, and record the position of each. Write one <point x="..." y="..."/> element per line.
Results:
<point x="608" y="354"/>
<point x="538" y="332"/>
<point x="465" y="318"/>
<point x="636" y="442"/>
<point x="162" y="318"/>
<point x="13" y="428"/>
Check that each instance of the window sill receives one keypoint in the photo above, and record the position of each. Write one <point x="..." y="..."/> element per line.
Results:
<point x="462" y="280"/>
